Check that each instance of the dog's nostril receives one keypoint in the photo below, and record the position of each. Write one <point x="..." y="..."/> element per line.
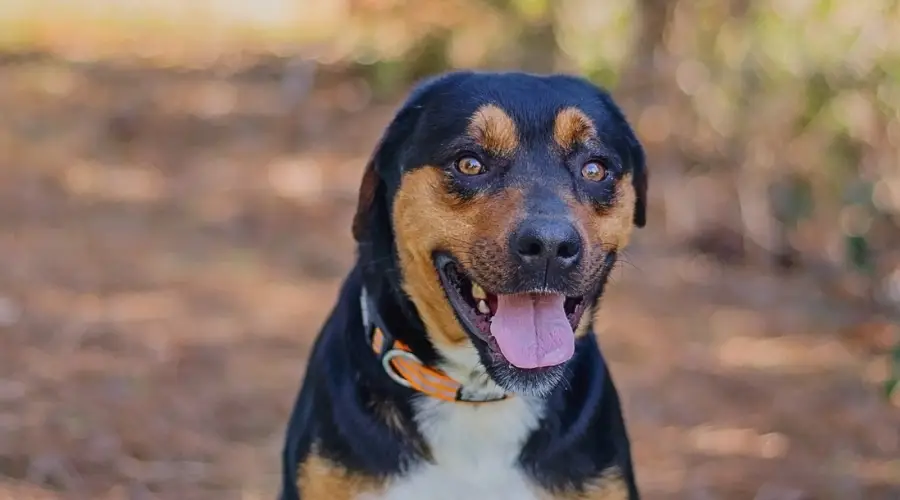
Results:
<point x="567" y="250"/>
<point x="531" y="247"/>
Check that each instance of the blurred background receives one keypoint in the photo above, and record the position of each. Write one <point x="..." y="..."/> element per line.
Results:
<point x="177" y="181"/>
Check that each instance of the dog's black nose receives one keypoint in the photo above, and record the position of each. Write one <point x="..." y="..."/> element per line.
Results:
<point x="547" y="244"/>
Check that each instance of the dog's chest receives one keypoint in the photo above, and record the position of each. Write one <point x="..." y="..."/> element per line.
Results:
<point x="475" y="450"/>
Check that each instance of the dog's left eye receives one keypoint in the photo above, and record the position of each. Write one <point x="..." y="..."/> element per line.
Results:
<point x="469" y="165"/>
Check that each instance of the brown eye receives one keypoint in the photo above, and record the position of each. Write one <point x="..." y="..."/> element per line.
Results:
<point x="593" y="171"/>
<point x="469" y="166"/>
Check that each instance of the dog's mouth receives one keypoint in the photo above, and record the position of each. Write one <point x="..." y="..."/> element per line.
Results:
<point x="531" y="331"/>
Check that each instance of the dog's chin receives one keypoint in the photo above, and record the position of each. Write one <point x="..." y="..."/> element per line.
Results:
<point x="475" y="306"/>
<point x="537" y="382"/>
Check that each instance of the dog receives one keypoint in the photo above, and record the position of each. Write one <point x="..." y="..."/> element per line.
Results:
<point x="459" y="361"/>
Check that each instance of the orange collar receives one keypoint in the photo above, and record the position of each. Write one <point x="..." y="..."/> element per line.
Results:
<point x="406" y="369"/>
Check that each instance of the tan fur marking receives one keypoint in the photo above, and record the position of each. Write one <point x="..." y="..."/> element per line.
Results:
<point x="585" y="322"/>
<point x="427" y="218"/>
<point x="319" y="479"/>
<point x="571" y="127"/>
<point x="610" y="229"/>
<point x="609" y="486"/>
<point x="494" y="130"/>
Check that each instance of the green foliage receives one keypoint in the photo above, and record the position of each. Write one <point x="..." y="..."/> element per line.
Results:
<point x="892" y="385"/>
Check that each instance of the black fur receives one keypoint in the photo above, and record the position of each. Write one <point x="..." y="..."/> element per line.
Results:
<point x="334" y="408"/>
<point x="583" y="432"/>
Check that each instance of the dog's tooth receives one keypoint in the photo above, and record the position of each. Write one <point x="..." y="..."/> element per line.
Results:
<point x="478" y="292"/>
<point x="483" y="307"/>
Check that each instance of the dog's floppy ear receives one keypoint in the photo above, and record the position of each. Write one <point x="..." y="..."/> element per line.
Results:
<point x="639" y="175"/>
<point x="639" y="178"/>
<point x="373" y="181"/>
<point x="384" y="165"/>
<point x="368" y="190"/>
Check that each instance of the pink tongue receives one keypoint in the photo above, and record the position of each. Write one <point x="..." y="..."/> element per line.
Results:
<point x="532" y="330"/>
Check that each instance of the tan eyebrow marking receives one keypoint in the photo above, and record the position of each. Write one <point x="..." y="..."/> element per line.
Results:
<point x="494" y="130"/>
<point x="572" y="127"/>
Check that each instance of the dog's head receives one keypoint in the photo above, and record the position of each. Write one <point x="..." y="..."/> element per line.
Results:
<point x="496" y="204"/>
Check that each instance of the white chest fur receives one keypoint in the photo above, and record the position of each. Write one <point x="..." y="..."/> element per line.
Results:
<point x="475" y="451"/>
<point x="475" y="448"/>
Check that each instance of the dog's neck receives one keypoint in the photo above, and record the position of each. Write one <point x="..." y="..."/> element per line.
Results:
<point x="460" y="364"/>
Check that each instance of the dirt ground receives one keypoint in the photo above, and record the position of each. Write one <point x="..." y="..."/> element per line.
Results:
<point x="173" y="241"/>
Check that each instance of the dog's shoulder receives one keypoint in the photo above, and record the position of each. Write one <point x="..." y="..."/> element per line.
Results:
<point x="340" y="436"/>
<point x="318" y="477"/>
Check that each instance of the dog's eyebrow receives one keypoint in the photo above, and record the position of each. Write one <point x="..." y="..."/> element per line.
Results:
<point x="572" y="127"/>
<point x="494" y="130"/>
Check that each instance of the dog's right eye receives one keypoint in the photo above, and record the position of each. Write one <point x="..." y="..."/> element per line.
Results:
<point x="469" y="165"/>
<point x="594" y="171"/>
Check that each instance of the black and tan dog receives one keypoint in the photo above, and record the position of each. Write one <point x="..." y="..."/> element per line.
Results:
<point x="459" y="361"/>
